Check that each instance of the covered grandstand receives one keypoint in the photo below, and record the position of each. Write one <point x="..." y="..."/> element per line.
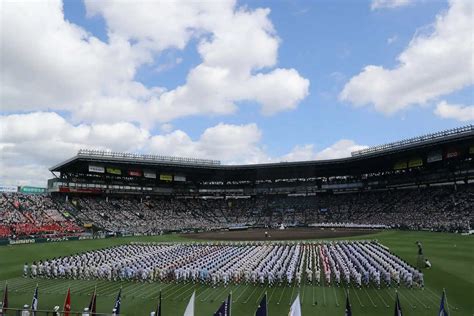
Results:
<point x="430" y="159"/>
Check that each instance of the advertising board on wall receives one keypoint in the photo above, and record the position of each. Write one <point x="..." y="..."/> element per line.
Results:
<point x="400" y="165"/>
<point x="149" y="174"/>
<point x="179" y="178"/>
<point x="96" y="169"/>
<point x="135" y="173"/>
<point x="434" y="156"/>
<point x="166" y="177"/>
<point x="32" y="190"/>
<point x="452" y="153"/>
<point x="415" y="162"/>
<point x="8" y="188"/>
<point x="114" y="171"/>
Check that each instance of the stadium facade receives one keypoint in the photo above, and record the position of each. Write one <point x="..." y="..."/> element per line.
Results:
<point x="440" y="158"/>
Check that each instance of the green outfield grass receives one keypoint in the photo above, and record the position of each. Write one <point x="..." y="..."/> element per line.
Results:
<point x="452" y="257"/>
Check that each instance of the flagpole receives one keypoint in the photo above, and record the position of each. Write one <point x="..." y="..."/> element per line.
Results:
<point x="446" y="299"/>
<point x="266" y="304"/>
<point x="93" y="298"/>
<point x="65" y="298"/>
<point x="5" y="295"/>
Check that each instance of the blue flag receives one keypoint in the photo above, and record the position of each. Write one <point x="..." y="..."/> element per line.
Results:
<point x="442" y="311"/>
<point x="398" y="307"/>
<point x="117" y="303"/>
<point x="348" y="311"/>
<point x="224" y="309"/>
<point x="262" y="307"/>
<point x="34" y="303"/>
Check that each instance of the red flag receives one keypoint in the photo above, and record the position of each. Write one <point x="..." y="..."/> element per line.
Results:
<point x="67" y="303"/>
<point x="5" y="297"/>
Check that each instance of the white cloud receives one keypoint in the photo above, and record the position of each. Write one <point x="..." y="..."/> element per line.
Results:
<point x="462" y="113"/>
<point x="340" y="149"/>
<point x="166" y="128"/>
<point x="94" y="81"/>
<point x="432" y="65"/>
<point x="300" y="153"/>
<point x="36" y="141"/>
<point x="27" y="153"/>
<point x="169" y="65"/>
<point x="225" y="142"/>
<point x="389" y="4"/>
<point x="49" y="63"/>
<point x="392" y="39"/>
<point x="30" y="174"/>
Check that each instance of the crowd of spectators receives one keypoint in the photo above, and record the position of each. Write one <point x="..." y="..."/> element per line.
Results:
<point x="29" y="214"/>
<point x="436" y="208"/>
<point x="443" y="208"/>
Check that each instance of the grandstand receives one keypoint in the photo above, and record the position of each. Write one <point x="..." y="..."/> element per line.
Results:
<point x="419" y="184"/>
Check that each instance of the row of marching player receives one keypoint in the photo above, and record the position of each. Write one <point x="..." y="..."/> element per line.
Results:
<point x="257" y="263"/>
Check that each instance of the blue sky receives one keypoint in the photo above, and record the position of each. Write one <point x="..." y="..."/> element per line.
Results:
<point x="327" y="42"/>
<point x="419" y="78"/>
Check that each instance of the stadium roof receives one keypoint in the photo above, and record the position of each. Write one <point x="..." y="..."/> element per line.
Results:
<point x="456" y="132"/>
<point x="379" y="158"/>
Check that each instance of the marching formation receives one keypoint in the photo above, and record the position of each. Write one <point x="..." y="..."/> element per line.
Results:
<point x="361" y="263"/>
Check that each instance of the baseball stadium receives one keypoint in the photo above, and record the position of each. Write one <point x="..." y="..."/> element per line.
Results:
<point x="385" y="229"/>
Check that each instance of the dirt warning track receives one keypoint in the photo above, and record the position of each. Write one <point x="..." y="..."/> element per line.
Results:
<point x="277" y="234"/>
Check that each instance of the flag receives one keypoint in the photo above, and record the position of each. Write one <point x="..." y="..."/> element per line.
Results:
<point x="92" y="303"/>
<point x="398" y="307"/>
<point x="116" y="309"/>
<point x="442" y="310"/>
<point x="348" y="306"/>
<point x="224" y="309"/>
<point x="158" y="307"/>
<point x="262" y="307"/>
<point x="34" y="303"/>
<point x="5" y="297"/>
<point x="295" y="309"/>
<point x="67" y="303"/>
<point x="190" y="308"/>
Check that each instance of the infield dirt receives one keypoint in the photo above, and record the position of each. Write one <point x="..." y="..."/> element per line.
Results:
<point x="281" y="234"/>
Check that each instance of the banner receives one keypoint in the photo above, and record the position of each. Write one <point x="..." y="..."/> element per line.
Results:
<point x="8" y="188"/>
<point x="97" y="169"/>
<point x="134" y="173"/>
<point x="149" y="174"/>
<point x="32" y="190"/>
<point x="452" y="153"/>
<point x="166" y="177"/>
<point x="79" y="190"/>
<point x="434" y="156"/>
<point x="114" y="171"/>
<point x="415" y="162"/>
<point x="22" y="241"/>
<point x="400" y="165"/>
<point x="179" y="178"/>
